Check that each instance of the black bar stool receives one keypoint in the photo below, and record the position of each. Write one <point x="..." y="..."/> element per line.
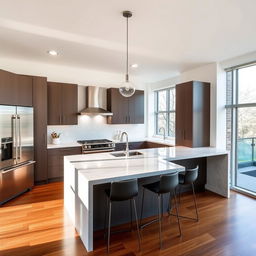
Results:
<point x="167" y="184"/>
<point x="188" y="178"/>
<point x="122" y="191"/>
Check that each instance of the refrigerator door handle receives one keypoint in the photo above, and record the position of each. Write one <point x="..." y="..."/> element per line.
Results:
<point x="20" y="148"/>
<point x="14" y="135"/>
<point x="17" y="167"/>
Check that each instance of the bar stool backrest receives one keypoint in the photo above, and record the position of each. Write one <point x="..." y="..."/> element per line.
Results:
<point x="123" y="190"/>
<point x="191" y="175"/>
<point x="168" y="182"/>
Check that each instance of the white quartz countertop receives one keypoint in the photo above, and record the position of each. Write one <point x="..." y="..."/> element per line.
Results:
<point x="75" y="144"/>
<point x="64" y="145"/>
<point x="104" y="167"/>
<point x="105" y="171"/>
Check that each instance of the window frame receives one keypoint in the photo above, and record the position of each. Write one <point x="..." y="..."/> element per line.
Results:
<point x="167" y="111"/>
<point x="234" y="106"/>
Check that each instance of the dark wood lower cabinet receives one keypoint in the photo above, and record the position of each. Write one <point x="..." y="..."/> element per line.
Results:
<point x="55" y="161"/>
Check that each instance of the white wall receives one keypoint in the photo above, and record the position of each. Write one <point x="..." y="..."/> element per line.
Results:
<point x="88" y="127"/>
<point x="240" y="60"/>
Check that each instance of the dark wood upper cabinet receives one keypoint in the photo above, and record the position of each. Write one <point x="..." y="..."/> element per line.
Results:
<point x="24" y="90"/>
<point x="7" y="88"/>
<point x="136" y="108"/>
<point x="69" y="104"/>
<point x="40" y="127"/>
<point x="62" y="103"/>
<point x="125" y="110"/>
<point x="15" y="89"/>
<point x="193" y="114"/>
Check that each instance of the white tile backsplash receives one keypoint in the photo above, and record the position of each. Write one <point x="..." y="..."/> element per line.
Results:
<point x="95" y="127"/>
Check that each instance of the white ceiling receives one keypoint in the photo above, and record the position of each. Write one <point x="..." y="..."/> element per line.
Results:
<point x="166" y="36"/>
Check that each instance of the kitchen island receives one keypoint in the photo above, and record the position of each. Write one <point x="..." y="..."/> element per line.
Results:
<point x="86" y="176"/>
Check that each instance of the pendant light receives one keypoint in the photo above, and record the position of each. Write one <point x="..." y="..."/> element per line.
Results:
<point x="127" y="89"/>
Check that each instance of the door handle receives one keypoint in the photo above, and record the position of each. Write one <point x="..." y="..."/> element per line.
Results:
<point x="18" y="118"/>
<point x="14" y="137"/>
<point x="17" y="167"/>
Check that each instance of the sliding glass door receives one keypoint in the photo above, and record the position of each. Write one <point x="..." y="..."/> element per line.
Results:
<point x="241" y="124"/>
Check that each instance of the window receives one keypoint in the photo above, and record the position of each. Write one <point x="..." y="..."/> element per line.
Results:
<point x="241" y="126"/>
<point x="165" y="111"/>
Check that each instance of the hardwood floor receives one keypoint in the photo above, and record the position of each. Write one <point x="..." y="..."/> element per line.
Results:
<point x="35" y="224"/>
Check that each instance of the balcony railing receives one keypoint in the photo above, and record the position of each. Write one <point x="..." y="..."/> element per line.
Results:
<point x="246" y="152"/>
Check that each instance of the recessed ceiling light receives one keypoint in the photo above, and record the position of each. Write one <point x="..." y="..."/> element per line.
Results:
<point x="52" y="52"/>
<point x="135" y="65"/>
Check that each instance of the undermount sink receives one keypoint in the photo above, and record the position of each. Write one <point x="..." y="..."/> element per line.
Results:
<point x="134" y="153"/>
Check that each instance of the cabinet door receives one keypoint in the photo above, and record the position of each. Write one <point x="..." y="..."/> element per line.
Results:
<point x="184" y="109"/>
<point x="40" y="127"/>
<point x="201" y="114"/>
<point x="7" y="88"/>
<point x="54" y="103"/>
<point x="15" y="89"/>
<point x="119" y="106"/>
<point x="136" y="108"/>
<point x="24" y="90"/>
<point x="56" y="161"/>
<point x="54" y="168"/>
<point x="67" y="152"/>
<point x="69" y="104"/>
<point x="188" y="114"/>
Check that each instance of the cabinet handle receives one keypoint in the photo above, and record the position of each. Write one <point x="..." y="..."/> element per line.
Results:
<point x="129" y="119"/>
<point x="60" y="118"/>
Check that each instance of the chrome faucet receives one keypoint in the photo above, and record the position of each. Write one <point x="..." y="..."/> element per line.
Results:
<point x="127" y="143"/>
<point x="160" y="129"/>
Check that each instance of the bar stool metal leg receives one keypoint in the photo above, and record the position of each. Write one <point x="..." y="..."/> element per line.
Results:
<point x="131" y="213"/>
<point x="160" y="220"/>
<point x="142" y="205"/>
<point x="137" y="224"/>
<point x="177" y="211"/>
<point x="105" y="218"/>
<point x="194" y="197"/>
<point x="109" y="224"/>
<point x="195" y="204"/>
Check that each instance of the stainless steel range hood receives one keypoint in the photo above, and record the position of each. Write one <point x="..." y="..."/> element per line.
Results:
<point x="96" y="102"/>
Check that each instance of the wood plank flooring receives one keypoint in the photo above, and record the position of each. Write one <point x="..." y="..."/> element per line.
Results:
<point x="35" y="224"/>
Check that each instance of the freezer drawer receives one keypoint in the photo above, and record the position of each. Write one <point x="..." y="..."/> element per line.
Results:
<point x="16" y="180"/>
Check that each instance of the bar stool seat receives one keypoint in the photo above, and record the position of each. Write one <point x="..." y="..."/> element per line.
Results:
<point x="121" y="191"/>
<point x="166" y="185"/>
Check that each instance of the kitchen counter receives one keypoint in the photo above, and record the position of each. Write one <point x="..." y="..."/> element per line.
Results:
<point x="64" y="145"/>
<point x="83" y="173"/>
<point x="75" y="144"/>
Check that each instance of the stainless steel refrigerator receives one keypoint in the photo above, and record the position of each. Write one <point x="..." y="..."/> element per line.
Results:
<point x="16" y="151"/>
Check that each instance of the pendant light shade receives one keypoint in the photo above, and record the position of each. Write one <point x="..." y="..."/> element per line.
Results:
<point x="127" y="89"/>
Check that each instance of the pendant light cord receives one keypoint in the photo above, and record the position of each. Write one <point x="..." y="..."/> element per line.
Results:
<point x="127" y="60"/>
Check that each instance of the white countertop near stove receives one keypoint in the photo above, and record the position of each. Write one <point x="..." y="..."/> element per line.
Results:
<point x="64" y="145"/>
<point x="75" y="144"/>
